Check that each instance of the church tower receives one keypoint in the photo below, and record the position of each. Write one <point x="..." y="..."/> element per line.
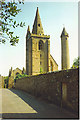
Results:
<point x="65" y="60"/>
<point x="38" y="49"/>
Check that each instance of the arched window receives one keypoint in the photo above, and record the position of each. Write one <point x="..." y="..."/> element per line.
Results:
<point x="17" y="73"/>
<point x="41" y="45"/>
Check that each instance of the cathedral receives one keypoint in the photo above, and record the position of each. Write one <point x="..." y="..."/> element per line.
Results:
<point x="38" y="57"/>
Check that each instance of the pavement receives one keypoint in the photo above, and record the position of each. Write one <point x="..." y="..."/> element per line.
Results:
<point x="18" y="104"/>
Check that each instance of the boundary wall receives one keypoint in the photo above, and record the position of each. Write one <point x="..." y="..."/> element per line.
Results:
<point x="59" y="87"/>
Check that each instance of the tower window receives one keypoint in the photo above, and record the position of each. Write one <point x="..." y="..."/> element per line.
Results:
<point x="41" y="45"/>
<point x="40" y="55"/>
<point x="39" y="25"/>
<point x="40" y="63"/>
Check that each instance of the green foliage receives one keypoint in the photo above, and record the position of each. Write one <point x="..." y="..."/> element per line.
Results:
<point x="41" y="70"/>
<point x="18" y="76"/>
<point x="9" y="10"/>
<point x="75" y="63"/>
<point x="6" y="78"/>
<point x="6" y="81"/>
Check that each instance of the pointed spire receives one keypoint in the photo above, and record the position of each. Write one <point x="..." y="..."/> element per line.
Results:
<point x="64" y="33"/>
<point x="37" y="27"/>
<point x="37" y="12"/>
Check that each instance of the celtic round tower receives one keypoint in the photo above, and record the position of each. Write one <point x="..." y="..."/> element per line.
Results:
<point x="65" y="60"/>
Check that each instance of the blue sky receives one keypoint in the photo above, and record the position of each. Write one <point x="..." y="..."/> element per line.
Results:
<point x="54" y="15"/>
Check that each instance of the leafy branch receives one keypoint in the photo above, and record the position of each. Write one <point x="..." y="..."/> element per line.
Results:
<point x="9" y="10"/>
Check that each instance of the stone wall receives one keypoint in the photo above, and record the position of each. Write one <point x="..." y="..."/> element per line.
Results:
<point x="59" y="87"/>
<point x="11" y="82"/>
<point x="1" y="82"/>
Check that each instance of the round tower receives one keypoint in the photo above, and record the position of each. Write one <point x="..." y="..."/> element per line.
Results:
<point x="65" y="60"/>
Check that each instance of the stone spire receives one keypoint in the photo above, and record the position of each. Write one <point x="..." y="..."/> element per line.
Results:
<point x="37" y="26"/>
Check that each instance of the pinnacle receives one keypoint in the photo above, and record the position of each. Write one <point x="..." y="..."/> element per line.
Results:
<point x="28" y="28"/>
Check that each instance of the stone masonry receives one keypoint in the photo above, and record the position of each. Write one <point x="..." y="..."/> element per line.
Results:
<point x="59" y="87"/>
<point x="38" y="58"/>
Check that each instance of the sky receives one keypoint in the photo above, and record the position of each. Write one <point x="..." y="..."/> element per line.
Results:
<point x="54" y="16"/>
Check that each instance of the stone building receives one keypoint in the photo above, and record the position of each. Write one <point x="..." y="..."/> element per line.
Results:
<point x="65" y="60"/>
<point x="12" y="75"/>
<point x="38" y="57"/>
<point x="1" y="81"/>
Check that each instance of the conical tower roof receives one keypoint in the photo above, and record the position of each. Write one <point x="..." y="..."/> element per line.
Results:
<point x="37" y="26"/>
<point x="64" y="33"/>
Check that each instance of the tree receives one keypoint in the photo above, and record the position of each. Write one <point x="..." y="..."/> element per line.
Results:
<point x="6" y="81"/>
<point x="9" y="10"/>
<point x="76" y="63"/>
<point x="18" y="76"/>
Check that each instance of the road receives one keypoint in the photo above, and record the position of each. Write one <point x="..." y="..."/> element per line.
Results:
<point x="19" y="104"/>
